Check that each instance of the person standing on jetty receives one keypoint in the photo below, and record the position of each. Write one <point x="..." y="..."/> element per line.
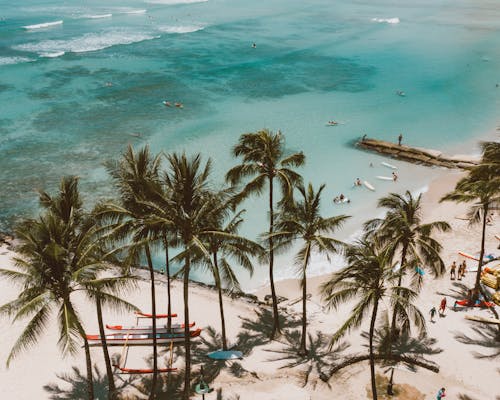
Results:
<point x="400" y="137"/>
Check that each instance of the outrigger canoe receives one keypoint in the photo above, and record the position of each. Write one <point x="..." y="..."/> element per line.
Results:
<point x="142" y="371"/>
<point x="467" y="303"/>
<point x="145" y="339"/>
<point x="176" y="328"/>
<point x="145" y="315"/>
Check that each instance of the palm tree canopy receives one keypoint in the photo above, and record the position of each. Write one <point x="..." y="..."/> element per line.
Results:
<point x="302" y="220"/>
<point x="263" y="158"/>
<point x="369" y="277"/>
<point x="403" y="227"/>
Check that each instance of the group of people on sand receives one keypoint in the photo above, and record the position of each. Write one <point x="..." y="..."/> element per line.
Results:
<point x="462" y="269"/>
<point x="441" y="310"/>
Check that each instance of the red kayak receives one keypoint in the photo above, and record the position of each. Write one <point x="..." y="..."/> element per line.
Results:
<point x="481" y="304"/>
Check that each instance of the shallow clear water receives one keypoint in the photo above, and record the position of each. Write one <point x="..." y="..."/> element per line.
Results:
<point x="314" y="61"/>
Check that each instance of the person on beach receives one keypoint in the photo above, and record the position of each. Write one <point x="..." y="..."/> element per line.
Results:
<point x="464" y="268"/>
<point x="459" y="272"/>
<point x="400" y="138"/>
<point x="432" y="312"/>
<point x="394" y="176"/>
<point x="442" y="306"/>
<point x="441" y="394"/>
<point x="363" y="138"/>
<point x="453" y="269"/>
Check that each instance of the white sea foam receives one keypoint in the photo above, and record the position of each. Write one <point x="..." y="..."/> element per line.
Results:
<point x="181" y="29"/>
<point x="85" y="43"/>
<point x="143" y="11"/>
<point x="98" y="16"/>
<point x="387" y="20"/>
<point x="43" y="25"/>
<point x="173" y="2"/>
<point x="53" y="55"/>
<point x="14" y="60"/>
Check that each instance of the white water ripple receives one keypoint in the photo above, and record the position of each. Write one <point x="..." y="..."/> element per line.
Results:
<point x="387" y="20"/>
<point x="85" y="43"/>
<point x="181" y="29"/>
<point x="43" y="25"/>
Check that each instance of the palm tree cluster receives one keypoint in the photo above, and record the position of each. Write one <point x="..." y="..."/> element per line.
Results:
<point x="169" y="202"/>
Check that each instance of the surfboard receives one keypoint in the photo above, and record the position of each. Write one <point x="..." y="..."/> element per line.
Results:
<point x="384" y="178"/>
<point x="225" y="355"/>
<point x="385" y="164"/>
<point x="369" y="186"/>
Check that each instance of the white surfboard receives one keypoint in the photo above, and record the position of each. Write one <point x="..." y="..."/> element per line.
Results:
<point x="385" y="178"/>
<point x="385" y="164"/>
<point x="369" y="186"/>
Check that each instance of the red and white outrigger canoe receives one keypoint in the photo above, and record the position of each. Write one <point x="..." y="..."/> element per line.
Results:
<point x="146" y="315"/>
<point x="145" y="339"/>
<point x="176" y="328"/>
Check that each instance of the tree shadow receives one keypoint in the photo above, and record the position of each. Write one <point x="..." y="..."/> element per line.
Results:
<point x="487" y="336"/>
<point x="459" y="291"/>
<point x="318" y="358"/>
<point x="77" y="382"/>
<point x="256" y="332"/>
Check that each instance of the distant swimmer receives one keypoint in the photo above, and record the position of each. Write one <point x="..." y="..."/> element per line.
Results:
<point x="394" y="176"/>
<point x="179" y="105"/>
<point x="333" y="123"/>
<point x="400" y="93"/>
<point x="357" y="182"/>
<point x="254" y="46"/>
<point x="167" y="103"/>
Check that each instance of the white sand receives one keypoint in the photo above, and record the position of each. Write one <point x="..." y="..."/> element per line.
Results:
<point x="460" y="371"/>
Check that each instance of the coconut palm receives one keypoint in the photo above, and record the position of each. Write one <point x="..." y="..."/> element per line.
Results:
<point x="264" y="160"/>
<point x="49" y="270"/>
<point x="402" y="226"/>
<point x="133" y="175"/>
<point x="482" y="188"/>
<point x="368" y="279"/>
<point x="220" y="238"/>
<point x="90" y="250"/>
<point x="301" y="220"/>
<point x="190" y="204"/>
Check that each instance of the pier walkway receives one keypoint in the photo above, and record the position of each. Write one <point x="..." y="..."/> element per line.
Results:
<point x="416" y="154"/>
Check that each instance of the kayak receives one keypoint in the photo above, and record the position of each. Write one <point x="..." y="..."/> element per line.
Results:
<point x="146" y="339"/>
<point x="176" y="328"/>
<point x="467" y="303"/>
<point x="369" y="186"/>
<point x="385" y="178"/>
<point x="386" y="164"/>
<point x="226" y="355"/>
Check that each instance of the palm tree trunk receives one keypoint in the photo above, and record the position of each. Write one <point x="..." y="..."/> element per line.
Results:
<point x="221" y="304"/>
<point x="372" y="358"/>
<point x="167" y="273"/>
<point x="390" y="391"/>
<point x="303" y="348"/>
<point x="153" y="311"/>
<point x="481" y="255"/>
<point x="276" y="331"/>
<point x="88" y="362"/>
<point x="109" y="372"/>
<point x="187" y="342"/>
<point x="400" y="281"/>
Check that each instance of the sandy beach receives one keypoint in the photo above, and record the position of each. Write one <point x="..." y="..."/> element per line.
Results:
<point x="461" y="371"/>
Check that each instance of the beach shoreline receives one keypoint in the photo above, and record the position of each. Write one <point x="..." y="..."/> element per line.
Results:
<point x="268" y="380"/>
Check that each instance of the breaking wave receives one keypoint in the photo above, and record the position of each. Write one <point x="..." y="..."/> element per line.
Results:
<point x="43" y="25"/>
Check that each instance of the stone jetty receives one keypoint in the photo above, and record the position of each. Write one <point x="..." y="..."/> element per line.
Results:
<point x="416" y="155"/>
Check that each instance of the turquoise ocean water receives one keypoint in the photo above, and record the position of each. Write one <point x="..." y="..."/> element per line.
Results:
<point x="80" y="82"/>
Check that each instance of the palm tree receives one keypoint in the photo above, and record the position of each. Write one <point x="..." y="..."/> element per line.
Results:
<point x="190" y="204"/>
<point x="368" y="278"/>
<point x="90" y="250"/>
<point x="49" y="270"/>
<point x="264" y="161"/>
<point x="402" y="226"/>
<point x="134" y="174"/>
<point x="220" y="238"/>
<point x="481" y="187"/>
<point x="301" y="220"/>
